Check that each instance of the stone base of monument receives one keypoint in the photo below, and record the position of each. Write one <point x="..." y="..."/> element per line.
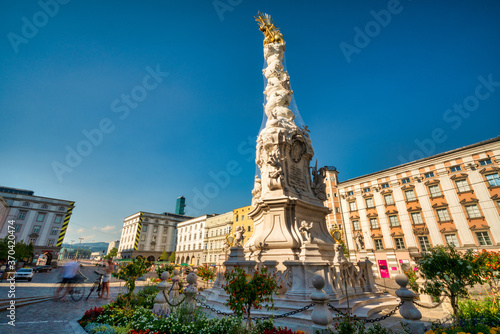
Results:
<point x="302" y="273"/>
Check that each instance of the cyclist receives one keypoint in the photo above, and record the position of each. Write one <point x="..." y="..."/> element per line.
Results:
<point x="106" y="277"/>
<point x="69" y="273"/>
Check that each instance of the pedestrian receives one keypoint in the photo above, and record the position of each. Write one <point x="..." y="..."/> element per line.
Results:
<point x="110" y="268"/>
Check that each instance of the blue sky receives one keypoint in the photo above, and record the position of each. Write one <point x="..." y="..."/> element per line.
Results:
<point x="377" y="82"/>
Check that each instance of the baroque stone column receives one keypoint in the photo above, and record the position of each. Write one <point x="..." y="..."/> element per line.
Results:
<point x="288" y="213"/>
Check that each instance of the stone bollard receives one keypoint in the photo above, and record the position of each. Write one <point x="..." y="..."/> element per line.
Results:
<point x="320" y="316"/>
<point x="161" y="306"/>
<point x="174" y="293"/>
<point x="190" y="292"/>
<point x="408" y="310"/>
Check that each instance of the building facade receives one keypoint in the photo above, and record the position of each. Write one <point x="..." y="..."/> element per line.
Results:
<point x="394" y="215"/>
<point x="41" y="221"/>
<point x="149" y="235"/>
<point x="240" y="218"/>
<point x="190" y="241"/>
<point x="113" y="244"/>
<point x="217" y="228"/>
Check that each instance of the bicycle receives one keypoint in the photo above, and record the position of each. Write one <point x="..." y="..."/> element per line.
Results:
<point x="76" y="292"/>
<point x="97" y="285"/>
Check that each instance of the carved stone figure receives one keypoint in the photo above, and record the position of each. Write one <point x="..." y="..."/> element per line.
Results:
<point x="239" y="236"/>
<point x="305" y="230"/>
<point x="225" y="247"/>
<point x="257" y="189"/>
<point x="359" y="241"/>
<point x="276" y="172"/>
<point x="339" y="253"/>
<point x="318" y="185"/>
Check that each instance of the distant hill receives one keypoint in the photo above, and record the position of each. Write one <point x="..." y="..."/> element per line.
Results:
<point x="93" y="246"/>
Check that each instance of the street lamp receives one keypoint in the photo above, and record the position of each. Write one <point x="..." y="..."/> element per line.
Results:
<point x="81" y="238"/>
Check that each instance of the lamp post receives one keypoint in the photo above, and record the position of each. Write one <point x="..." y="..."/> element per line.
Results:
<point x="76" y="257"/>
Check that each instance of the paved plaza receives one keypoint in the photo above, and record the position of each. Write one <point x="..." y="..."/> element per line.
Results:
<point x="59" y="317"/>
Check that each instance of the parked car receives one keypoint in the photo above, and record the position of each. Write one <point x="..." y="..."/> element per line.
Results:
<point x="45" y="268"/>
<point x="24" y="273"/>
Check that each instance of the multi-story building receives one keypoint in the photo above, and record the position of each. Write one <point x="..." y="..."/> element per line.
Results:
<point x="149" y="235"/>
<point x="41" y="221"/>
<point x="240" y="218"/>
<point x="216" y="230"/>
<point x="4" y="211"/>
<point x="394" y="215"/>
<point x="113" y="244"/>
<point x="190" y="240"/>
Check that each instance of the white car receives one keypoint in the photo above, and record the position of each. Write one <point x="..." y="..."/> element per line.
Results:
<point x="24" y="273"/>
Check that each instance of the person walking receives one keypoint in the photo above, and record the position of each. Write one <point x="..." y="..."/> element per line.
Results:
<point x="110" y="268"/>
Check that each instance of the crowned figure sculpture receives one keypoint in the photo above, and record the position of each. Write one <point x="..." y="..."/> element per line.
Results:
<point x="288" y="212"/>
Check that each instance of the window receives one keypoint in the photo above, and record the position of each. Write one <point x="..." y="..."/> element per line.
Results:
<point x="405" y="180"/>
<point x="143" y="237"/>
<point x="378" y="244"/>
<point x="54" y="231"/>
<point x="385" y="185"/>
<point x="248" y="228"/>
<point x="472" y="211"/>
<point x="155" y="229"/>
<point x="355" y="225"/>
<point x="374" y="223"/>
<point x="443" y="215"/>
<point x="366" y="190"/>
<point x="164" y="240"/>
<point x="455" y="169"/>
<point x="189" y="247"/>
<point x="429" y="175"/>
<point x="493" y="180"/>
<point x="58" y="219"/>
<point x="41" y="217"/>
<point x="60" y="208"/>
<point x="236" y="220"/>
<point x="451" y="239"/>
<point x="425" y="245"/>
<point x="144" y="228"/>
<point x="141" y="247"/>
<point x="352" y="206"/>
<point x="485" y="162"/>
<point x="50" y="242"/>
<point x="17" y="227"/>
<point x="369" y="202"/>
<point x="36" y="229"/>
<point x="498" y="204"/>
<point x="350" y="193"/>
<point x="462" y="185"/>
<point x="435" y="191"/>
<point x="416" y="217"/>
<point x="242" y="217"/>
<point x="410" y="195"/>
<point x="22" y="215"/>
<point x="26" y="204"/>
<point x="389" y="200"/>
<point x="393" y="220"/>
<point x="165" y="229"/>
<point x="153" y="238"/>
<point x="45" y="206"/>
<point x="400" y="244"/>
<point x="483" y="238"/>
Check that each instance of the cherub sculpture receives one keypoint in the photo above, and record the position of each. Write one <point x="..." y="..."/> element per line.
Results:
<point x="239" y="236"/>
<point x="305" y="230"/>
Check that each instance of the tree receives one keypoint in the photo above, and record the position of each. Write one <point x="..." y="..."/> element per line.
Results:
<point x="450" y="272"/>
<point x="206" y="273"/>
<point x="132" y="272"/>
<point x="163" y="256"/>
<point x="246" y="291"/>
<point x="112" y="253"/>
<point x="22" y="251"/>
<point x="171" y="258"/>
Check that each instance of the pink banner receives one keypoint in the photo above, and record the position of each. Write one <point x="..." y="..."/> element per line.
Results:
<point x="384" y="271"/>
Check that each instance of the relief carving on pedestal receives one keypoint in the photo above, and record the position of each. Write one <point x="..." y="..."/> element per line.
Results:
<point x="276" y="170"/>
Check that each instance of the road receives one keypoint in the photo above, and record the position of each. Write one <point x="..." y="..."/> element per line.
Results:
<point x="50" y="316"/>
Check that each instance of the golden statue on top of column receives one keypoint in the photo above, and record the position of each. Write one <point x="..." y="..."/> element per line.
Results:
<point x="271" y="33"/>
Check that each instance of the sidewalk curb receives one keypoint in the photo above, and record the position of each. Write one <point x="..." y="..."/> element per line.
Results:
<point x="77" y="329"/>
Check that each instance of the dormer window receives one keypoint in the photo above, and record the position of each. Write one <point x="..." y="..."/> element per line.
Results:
<point x="485" y="162"/>
<point x="429" y="175"/>
<point x="405" y="180"/>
